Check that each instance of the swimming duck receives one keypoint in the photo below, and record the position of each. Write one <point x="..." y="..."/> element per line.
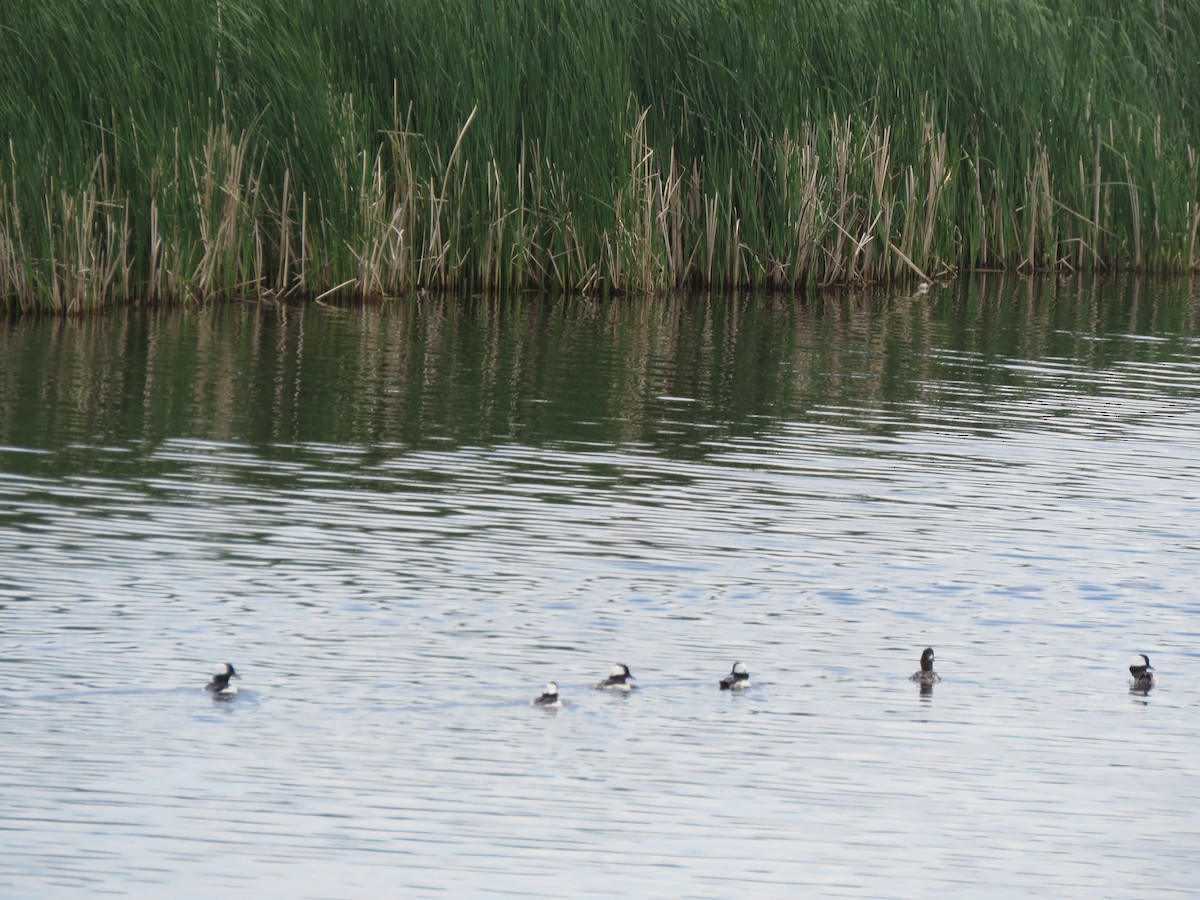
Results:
<point x="738" y="678"/>
<point x="1142" y="672"/>
<point x="549" y="698"/>
<point x="926" y="675"/>
<point x="220" y="681"/>
<point x="617" y="680"/>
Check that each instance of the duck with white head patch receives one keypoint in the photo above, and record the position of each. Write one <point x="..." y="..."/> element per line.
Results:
<point x="738" y="678"/>
<point x="926" y="675"/>
<point x="1142" y="672"/>
<point x="220" y="681"/>
<point x="549" y="698"/>
<point x="617" y="680"/>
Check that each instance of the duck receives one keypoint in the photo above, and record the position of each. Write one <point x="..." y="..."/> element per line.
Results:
<point x="220" y="681"/>
<point x="617" y="680"/>
<point x="926" y="675"/>
<point x="549" y="698"/>
<point x="1142" y="672"/>
<point x="738" y="678"/>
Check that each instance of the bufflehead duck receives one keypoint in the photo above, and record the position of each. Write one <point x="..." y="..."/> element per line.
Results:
<point x="926" y="675"/>
<point x="617" y="680"/>
<point x="1142" y="672"/>
<point x="220" y="681"/>
<point x="738" y="678"/>
<point x="549" y="697"/>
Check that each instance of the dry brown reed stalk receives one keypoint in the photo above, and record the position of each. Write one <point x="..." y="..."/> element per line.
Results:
<point x="88" y="259"/>
<point x="635" y="214"/>
<point x="670" y="221"/>
<point x="882" y="199"/>
<point x="841" y="134"/>
<point x="440" y="264"/>
<point x="938" y="177"/>
<point x="829" y="205"/>
<point x="228" y="194"/>
<point x="284" y="282"/>
<point x="15" y="281"/>
<point x="383" y="252"/>
<point x="802" y="173"/>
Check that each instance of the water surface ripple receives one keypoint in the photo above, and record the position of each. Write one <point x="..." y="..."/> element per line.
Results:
<point x="400" y="523"/>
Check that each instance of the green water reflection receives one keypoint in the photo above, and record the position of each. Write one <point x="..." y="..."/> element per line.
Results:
<point x="673" y="375"/>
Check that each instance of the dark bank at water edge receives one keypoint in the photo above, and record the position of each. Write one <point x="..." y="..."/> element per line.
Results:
<point x="169" y="150"/>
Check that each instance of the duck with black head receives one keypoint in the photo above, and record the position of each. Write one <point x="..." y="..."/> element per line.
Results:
<point x="549" y="698"/>
<point x="617" y="680"/>
<point x="926" y="676"/>
<point x="221" y="684"/>
<point x="738" y="678"/>
<point x="1142" y="672"/>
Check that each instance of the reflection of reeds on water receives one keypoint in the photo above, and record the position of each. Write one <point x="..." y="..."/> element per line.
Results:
<point x="271" y="148"/>
<point x="437" y="369"/>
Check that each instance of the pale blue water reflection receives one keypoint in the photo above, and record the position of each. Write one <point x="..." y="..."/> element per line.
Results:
<point x="398" y="564"/>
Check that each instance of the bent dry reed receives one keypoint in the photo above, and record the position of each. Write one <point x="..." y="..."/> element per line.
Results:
<point x="165" y="150"/>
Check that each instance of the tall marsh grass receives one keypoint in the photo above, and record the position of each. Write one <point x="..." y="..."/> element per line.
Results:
<point x="163" y="149"/>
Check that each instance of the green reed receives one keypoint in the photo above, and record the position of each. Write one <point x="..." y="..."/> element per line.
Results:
<point x="167" y="150"/>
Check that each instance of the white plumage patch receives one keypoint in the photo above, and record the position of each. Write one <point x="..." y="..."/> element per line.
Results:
<point x="740" y="669"/>
<point x="618" y="670"/>
<point x="1139" y="660"/>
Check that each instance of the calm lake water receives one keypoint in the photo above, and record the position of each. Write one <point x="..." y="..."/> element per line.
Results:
<point x="399" y="523"/>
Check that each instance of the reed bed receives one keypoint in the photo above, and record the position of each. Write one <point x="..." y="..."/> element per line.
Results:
<point x="163" y="150"/>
